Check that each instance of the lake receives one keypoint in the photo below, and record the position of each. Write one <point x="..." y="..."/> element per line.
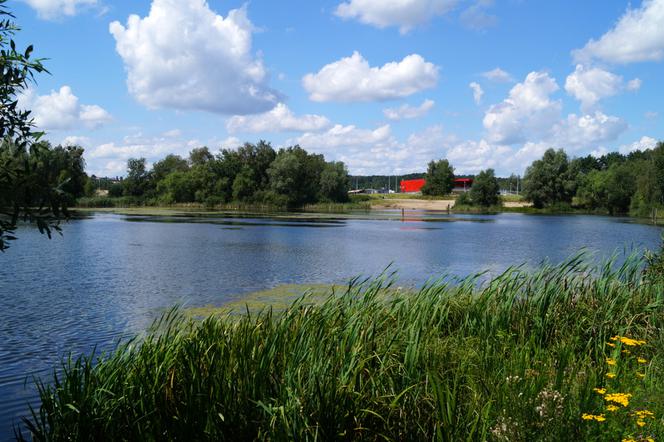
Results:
<point x="111" y="275"/>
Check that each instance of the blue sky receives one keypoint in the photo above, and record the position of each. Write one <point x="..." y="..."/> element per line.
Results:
<point x="383" y="85"/>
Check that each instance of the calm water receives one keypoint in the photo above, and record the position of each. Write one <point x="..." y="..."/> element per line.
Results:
<point x="110" y="275"/>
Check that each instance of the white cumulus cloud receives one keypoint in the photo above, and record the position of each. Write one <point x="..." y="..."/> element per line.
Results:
<point x="406" y="111"/>
<point x="643" y="144"/>
<point x="61" y="110"/>
<point x="183" y="55"/>
<point x="279" y="119"/>
<point x="404" y="14"/>
<point x="527" y="110"/>
<point x="477" y="92"/>
<point x="52" y="9"/>
<point x="638" y="36"/>
<point x="583" y="131"/>
<point x="474" y="156"/>
<point x="352" y="79"/>
<point x="498" y="75"/>
<point x="590" y="85"/>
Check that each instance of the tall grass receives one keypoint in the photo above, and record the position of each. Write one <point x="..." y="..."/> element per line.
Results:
<point x="515" y="358"/>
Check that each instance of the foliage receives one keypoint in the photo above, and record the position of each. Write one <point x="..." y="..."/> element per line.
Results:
<point x="439" y="178"/>
<point x="548" y="181"/>
<point x="138" y="179"/>
<point x="514" y="358"/>
<point x="334" y="182"/>
<point x="19" y="154"/>
<point x="171" y="163"/>
<point x="295" y="174"/>
<point x="485" y="190"/>
<point x="611" y="189"/>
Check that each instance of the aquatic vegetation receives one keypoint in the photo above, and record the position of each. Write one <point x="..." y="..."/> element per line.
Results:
<point x="522" y="357"/>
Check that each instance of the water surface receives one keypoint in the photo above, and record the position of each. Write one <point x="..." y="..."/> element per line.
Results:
<point x="110" y="275"/>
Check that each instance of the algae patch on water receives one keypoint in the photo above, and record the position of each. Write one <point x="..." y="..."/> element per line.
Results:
<point x="277" y="298"/>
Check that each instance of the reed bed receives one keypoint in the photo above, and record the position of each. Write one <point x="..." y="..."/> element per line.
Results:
<point x="522" y="357"/>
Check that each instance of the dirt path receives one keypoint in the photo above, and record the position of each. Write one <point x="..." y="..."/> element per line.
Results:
<point x="412" y="204"/>
<point x="415" y="204"/>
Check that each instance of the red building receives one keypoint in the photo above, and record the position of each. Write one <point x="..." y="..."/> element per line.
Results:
<point x="462" y="184"/>
<point x="411" y="186"/>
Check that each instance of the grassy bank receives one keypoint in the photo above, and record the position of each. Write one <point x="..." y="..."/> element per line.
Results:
<point x="562" y="353"/>
<point x="133" y="203"/>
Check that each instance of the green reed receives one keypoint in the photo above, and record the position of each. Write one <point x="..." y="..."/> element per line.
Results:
<point x="512" y="358"/>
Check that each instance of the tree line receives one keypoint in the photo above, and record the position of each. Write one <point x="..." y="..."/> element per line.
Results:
<point x="615" y="183"/>
<point x="252" y="173"/>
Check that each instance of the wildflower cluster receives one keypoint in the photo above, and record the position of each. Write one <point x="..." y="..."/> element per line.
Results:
<point x="615" y="401"/>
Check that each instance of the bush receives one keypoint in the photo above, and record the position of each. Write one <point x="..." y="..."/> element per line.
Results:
<point x="464" y="199"/>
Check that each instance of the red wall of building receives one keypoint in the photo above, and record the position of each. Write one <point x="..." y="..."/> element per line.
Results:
<point x="412" y="185"/>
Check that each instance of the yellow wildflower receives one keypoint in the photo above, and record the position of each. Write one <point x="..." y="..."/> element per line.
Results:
<point x="611" y="407"/>
<point x="629" y="440"/>
<point x="642" y="414"/>
<point x="631" y="342"/>
<point x="610" y="361"/>
<point x="640" y="375"/>
<point x="610" y="375"/>
<point x="615" y="338"/>
<point x="610" y="344"/>
<point x="640" y="423"/>
<point x="590" y="417"/>
<point x="627" y="352"/>
<point x="600" y="390"/>
<point x="618" y="398"/>
<point x="641" y="361"/>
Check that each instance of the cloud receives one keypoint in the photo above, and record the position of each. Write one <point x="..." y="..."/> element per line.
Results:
<point x="230" y="143"/>
<point x="75" y="140"/>
<point x="477" y="92"/>
<point x="529" y="121"/>
<point x="634" y="84"/>
<point x="590" y="85"/>
<point x="53" y="9"/>
<point x="645" y="143"/>
<point x="344" y="136"/>
<point x="526" y="111"/>
<point x="110" y="159"/>
<point x="406" y="111"/>
<point x="61" y="110"/>
<point x="638" y="36"/>
<point x="184" y="56"/>
<point x="405" y="14"/>
<point x="651" y="115"/>
<point x="475" y="156"/>
<point x="279" y="119"/>
<point x="377" y="151"/>
<point x="476" y="17"/>
<point x="578" y="132"/>
<point x="498" y="75"/>
<point x="351" y="79"/>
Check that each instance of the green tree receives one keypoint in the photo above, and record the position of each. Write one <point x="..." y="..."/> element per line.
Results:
<point x="295" y="175"/>
<point x="334" y="182"/>
<point x="547" y="181"/>
<point x="200" y="155"/>
<point x="485" y="189"/>
<point x="439" y="178"/>
<point x="18" y="150"/>
<point x="178" y="187"/>
<point x="137" y="179"/>
<point x="172" y="163"/>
